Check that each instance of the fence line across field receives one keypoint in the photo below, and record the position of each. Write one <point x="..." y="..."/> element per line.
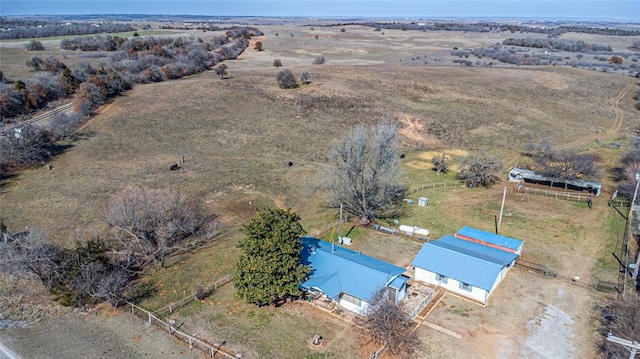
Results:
<point x="578" y="197"/>
<point x="154" y="317"/>
<point x="436" y="185"/>
<point x="44" y="116"/>
<point x="191" y="297"/>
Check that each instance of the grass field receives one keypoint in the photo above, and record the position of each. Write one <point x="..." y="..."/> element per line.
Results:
<point x="238" y="136"/>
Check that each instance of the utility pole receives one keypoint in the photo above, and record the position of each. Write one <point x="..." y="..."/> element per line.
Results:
<point x="628" y="234"/>
<point x="631" y="346"/>
<point x="504" y="196"/>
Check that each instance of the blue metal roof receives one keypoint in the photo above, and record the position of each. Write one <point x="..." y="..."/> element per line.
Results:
<point x="342" y="270"/>
<point x="461" y="262"/>
<point x="489" y="237"/>
<point x="398" y="282"/>
<point x="477" y="250"/>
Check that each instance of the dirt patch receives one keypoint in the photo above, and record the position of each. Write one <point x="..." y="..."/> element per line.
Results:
<point x="551" y="80"/>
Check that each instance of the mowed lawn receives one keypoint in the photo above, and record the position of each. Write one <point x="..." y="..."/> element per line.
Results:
<point x="238" y="136"/>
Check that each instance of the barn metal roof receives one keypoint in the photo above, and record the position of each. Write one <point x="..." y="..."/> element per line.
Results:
<point x="345" y="271"/>
<point x="463" y="261"/>
<point x="503" y="241"/>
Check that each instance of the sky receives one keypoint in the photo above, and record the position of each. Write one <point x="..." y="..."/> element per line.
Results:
<point x="628" y="10"/>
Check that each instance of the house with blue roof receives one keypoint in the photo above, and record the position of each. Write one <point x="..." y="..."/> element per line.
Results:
<point x="349" y="278"/>
<point x="490" y="239"/>
<point x="472" y="270"/>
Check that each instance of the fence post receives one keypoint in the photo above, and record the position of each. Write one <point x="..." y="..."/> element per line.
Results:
<point x="170" y="308"/>
<point x="149" y="317"/>
<point x="133" y="309"/>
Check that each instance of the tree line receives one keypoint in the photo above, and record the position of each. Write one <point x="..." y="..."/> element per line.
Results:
<point x="23" y="29"/>
<point x="145" y="227"/>
<point x="136" y="60"/>
<point x="557" y="44"/>
<point x="550" y="30"/>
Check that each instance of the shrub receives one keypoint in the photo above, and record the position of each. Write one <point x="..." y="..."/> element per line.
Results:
<point x="319" y="60"/>
<point x="286" y="79"/>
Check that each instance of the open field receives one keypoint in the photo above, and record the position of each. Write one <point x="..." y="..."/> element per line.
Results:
<point x="238" y="136"/>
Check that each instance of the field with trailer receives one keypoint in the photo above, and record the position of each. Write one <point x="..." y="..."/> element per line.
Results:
<point x="238" y="136"/>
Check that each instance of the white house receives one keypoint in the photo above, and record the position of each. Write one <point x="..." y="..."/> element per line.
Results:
<point x="466" y="268"/>
<point x="349" y="278"/>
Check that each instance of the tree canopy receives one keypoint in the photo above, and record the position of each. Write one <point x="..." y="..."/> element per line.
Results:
<point x="270" y="269"/>
<point x="480" y="170"/>
<point x="365" y="174"/>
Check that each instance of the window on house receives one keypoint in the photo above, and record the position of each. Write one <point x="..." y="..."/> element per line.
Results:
<point x="441" y="278"/>
<point x="351" y="299"/>
<point x="466" y="286"/>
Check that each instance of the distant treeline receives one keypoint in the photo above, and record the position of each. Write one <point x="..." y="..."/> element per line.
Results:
<point x="136" y="60"/>
<point x="490" y="27"/>
<point x="557" y="44"/>
<point x="21" y="29"/>
<point x="133" y="60"/>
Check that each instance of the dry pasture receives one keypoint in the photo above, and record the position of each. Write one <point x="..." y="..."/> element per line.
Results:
<point x="238" y="135"/>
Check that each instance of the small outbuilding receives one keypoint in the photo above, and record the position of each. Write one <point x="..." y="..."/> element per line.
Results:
<point x="349" y="278"/>
<point x="490" y="239"/>
<point x="472" y="270"/>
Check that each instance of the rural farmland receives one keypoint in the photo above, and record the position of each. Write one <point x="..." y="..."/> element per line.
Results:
<point x="242" y="143"/>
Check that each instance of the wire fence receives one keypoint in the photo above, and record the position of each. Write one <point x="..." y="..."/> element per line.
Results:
<point x="193" y="341"/>
<point x="435" y="185"/>
<point x="190" y="298"/>
<point x="46" y="116"/>
<point x="155" y="318"/>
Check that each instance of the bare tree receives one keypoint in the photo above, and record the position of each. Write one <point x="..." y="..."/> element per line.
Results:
<point x="365" y="173"/>
<point x="150" y="225"/>
<point x="480" y="170"/>
<point x="286" y="79"/>
<point x="63" y="124"/>
<point x="387" y="323"/>
<point x="440" y="163"/>
<point x="569" y="164"/>
<point x="32" y="254"/>
<point x="30" y="145"/>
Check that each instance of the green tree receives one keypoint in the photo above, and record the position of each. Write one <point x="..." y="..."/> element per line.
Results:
<point x="270" y="270"/>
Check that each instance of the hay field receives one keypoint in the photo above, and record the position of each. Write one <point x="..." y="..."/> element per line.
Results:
<point x="238" y="136"/>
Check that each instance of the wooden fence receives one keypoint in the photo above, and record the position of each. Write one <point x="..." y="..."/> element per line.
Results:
<point x="155" y="317"/>
<point x="190" y="298"/>
<point x="578" y="197"/>
<point x="435" y="185"/>
<point x="45" y="116"/>
<point x="194" y="342"/>
<point x="424" y="302"/>
<point x="534" y="267"/>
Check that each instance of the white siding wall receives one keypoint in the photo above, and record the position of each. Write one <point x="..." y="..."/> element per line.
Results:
<point x="353" y="307"/>
<point x="453" y="285"/>
<point x="401" y="293"/>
